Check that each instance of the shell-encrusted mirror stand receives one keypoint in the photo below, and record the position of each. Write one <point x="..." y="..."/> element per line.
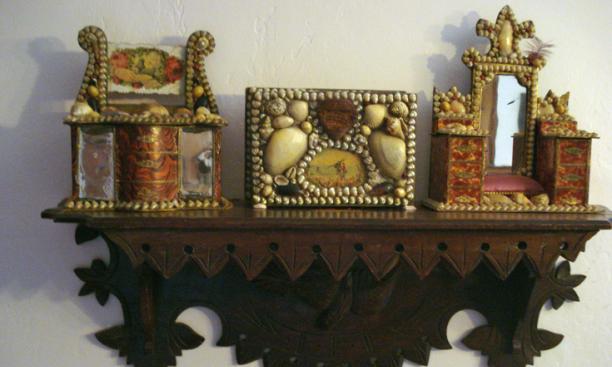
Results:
<point x="145" y="156"/>
<point x="501" y="148"/>
<point x="330" y="148"/>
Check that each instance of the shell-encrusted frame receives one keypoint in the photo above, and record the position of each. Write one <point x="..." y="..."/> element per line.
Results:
<point x="457" y="115"/>
<point x="200" y="111"/>
<point x="263" y="105"/>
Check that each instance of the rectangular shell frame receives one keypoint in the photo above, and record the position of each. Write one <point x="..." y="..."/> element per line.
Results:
<point x="330" y="148"/>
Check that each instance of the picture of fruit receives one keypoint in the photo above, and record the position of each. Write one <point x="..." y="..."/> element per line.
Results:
<point x="144" y="68"/>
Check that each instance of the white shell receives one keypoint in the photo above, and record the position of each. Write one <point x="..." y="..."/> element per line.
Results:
<point x="81" y="109"/>
<point x="505" y="38"/>
<point x="285" y="148"/>
<point x="374" y="115"/>
<point x="389" y="154"/>
<point x="298" y="110"/>
<point x="281" y="122"/>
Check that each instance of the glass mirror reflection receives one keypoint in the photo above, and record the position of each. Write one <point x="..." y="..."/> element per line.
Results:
<point x="503" y="115"/>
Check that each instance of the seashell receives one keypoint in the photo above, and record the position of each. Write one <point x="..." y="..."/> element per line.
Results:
<point x="265" y="132"/>
<point x="400" y="192"/>
<point x="337" y="116"/>
<point x="374" y="115"/>
<point x="365" y="130"/>
<point x="202" y="111"/>
<point x="389" y="154"/>
<point x="157" y="109"/>
<point x="500" y="199"/>
<point x="284" y="187"/>
<point x="267" y="190"/>
<point x="198" y="91"/>
<point x="394" y="127"/>
<point x="457" y="107"/>
<point x="298" y="110"/>
<point x="81" y="109"/>
<point x="285" y="148"/>
<point x="281" y="122"/>
<point x="276" y="107"/>
<point x="445" y="106"/>
<point x="520" y="198"/>
<point x="267" y="179"/>
<point x="113" y="111"/>
<point x="546" y="109"/>
<point x="291" y="172"/>
<point x="541" y="199"/>
<point x="306" y="127"/>
<point x="183" y="112"/>
<point x="93" y="91"/>
<point x="399" y="109"/>
<point x="259" y="206"/>
<point x="381" y="189"/>
<point x="505" y="38"/>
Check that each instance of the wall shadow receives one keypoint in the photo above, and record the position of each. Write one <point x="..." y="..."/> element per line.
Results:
<point x="38" y="256"/>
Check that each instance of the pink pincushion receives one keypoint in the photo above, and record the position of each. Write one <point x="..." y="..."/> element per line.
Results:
<point x="512" y="183"/>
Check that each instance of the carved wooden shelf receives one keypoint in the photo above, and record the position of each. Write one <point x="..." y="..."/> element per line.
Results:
<point x="329" y="287"/>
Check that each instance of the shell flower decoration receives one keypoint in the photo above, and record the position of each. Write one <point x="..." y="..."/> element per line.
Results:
<point x="538" y="51"/>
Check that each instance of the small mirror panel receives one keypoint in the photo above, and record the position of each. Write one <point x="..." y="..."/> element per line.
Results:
<point x="503" y="114"/>
<point x="197" y="163"/>
<point x="95" y="175"/>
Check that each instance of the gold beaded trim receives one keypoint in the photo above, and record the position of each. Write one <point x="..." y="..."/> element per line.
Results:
<point x="145" y="206"/>
<point x="208" y="120"/>
<point x="512" y="208"/>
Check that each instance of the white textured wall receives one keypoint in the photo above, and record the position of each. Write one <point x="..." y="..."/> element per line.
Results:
<point x="398" y="44"/>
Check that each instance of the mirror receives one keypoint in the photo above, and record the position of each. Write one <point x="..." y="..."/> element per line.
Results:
<point x="503" y="115"/>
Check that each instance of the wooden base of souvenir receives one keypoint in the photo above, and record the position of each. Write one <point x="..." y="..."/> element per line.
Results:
<point x="332" y="287"/>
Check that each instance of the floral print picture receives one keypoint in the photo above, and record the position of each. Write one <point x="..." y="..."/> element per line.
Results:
<point x="145" y="69"/>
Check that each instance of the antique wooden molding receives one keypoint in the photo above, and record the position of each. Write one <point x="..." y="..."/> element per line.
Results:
<point x="332" y="287"/>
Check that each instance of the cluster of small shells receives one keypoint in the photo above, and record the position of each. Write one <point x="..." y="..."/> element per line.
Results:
<point x="85" y="204"/>
<point x="516" y="208"/>
<point x="452" y="104"/>
<point x="199" y="45"/>
<point x="93" y="40"/>
<point x="568" y="133"/>
<point x="484" y="28"/>
<point x="262" y="102"/>
<point x="155" y="119"/>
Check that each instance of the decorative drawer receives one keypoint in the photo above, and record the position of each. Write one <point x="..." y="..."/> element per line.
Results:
<point x="465" y="174"/>
<point x="464" y="195"/>
<point x="570" y="197"/>
<point x="467" y="149"/>
<point x="148" y="190"/>
<point x="574" y="151"/>
<point x="572" y="177"/>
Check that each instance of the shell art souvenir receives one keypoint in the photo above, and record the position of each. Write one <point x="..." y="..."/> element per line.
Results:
<point x="330" y="148"/>
<point x="145" y="156"/>
<point x="501" y="148"/>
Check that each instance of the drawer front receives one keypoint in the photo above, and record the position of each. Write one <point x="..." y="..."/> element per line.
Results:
<point x="464" y="195"/>
<point x="148" y="138"/>
<point x="148" y="190"/>
<point x="465" y="174"/>
<point x="467" y="149"/>
<point x="572" y="177"/>
<point x="148" y="163"/>
<point x="570" y="197"/>
<point x="574" y="151"/>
